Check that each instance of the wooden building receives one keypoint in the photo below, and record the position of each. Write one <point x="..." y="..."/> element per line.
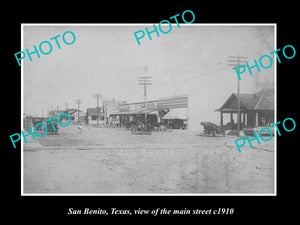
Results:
<point x="171" y="110"/>
<point x="256" y="109"/>
<point x="95" y="115"/>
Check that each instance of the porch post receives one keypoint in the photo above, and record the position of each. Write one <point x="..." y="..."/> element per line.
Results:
<point x="221" y="119"/>
<point x="231" y="116"/>
<point x="256" y="119"/>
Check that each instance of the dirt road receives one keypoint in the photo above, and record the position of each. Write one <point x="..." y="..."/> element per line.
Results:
<point x="112" y="160"/>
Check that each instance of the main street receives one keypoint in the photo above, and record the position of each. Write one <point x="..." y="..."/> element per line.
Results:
<point x="104" y="160"/>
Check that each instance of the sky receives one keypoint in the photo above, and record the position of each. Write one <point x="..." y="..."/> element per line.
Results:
<point x="107" y="59"/>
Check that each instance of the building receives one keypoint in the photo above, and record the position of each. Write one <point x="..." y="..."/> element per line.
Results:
<point x="111" y="107"/>
<point x="256" y="109"/>
<point x="55" y="113"/>
<point x="27" y="122"/>
<point x="176" y="108"/>
<point x="95" y="115"/>
<point x="73" y="113"/>
<point x="171" y="111"/>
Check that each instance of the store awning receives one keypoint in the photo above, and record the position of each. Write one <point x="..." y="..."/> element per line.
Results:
<point x="177" y="113"/>
<point x="135" y="112"/>
<point x="148" y="111"/>
<point x="119" y="113"/>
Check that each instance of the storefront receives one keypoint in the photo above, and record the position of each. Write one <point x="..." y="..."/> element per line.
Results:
<point x="156" y="113"/>
<point x="176" y="118"/>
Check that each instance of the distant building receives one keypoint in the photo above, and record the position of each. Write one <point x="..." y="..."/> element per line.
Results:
<point x="27" y="122"/>
<point x="73" y="113"/>
<point x="95" y="114"/>
<point x="111" y="107"/>
<point x="102" y="114"/>
<point x="55" y="113"/>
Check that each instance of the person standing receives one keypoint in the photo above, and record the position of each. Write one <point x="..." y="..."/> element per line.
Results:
<point x="80" y="128"/>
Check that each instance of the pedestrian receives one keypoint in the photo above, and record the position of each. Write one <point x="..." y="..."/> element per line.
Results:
<point x="80" y="128"/>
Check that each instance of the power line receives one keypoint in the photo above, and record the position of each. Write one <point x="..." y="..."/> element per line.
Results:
<point x="203" y="75"/>
<point x="240" y="57"/>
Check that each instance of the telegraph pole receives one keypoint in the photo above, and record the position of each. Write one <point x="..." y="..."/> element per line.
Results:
<point x="57" y="110"/>
<point x="145" y="81"/>
<point x="66" y="111"/>
<point x="97" y="96"/>
<point x="51" y="110"/>
<point x="78" y="102"/>
<point x="237" y="60"/>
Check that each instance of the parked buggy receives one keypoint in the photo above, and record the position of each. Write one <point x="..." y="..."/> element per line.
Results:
<point x="212" y="129"/>
<point x="139" y="128"/>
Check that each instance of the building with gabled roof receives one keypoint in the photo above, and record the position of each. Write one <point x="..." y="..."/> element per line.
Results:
<point x="256" y="109"/>
<point x="73" y="113"/>
<point x="95" y="115"/>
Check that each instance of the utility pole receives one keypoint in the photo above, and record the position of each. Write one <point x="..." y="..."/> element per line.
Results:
<point x="97" y="96"/>
<point x="66" y="111"/>
<point x="145" y="81"/>
<point x="51" y="110"/>
<point x="56" y="110"/>
<point x="237" y="60"/>
<point x="78" y="102"/>
<point x="104" y="106"/>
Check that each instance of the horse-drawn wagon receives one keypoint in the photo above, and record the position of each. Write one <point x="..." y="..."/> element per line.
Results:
<point x="212" y="129"/>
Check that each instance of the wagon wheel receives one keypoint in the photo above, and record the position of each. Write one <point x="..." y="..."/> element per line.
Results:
<point x="213" y="133"/>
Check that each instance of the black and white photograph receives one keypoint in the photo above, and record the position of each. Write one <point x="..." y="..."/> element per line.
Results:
<point x="144" y="109"/>
<point x="150" y="111"/>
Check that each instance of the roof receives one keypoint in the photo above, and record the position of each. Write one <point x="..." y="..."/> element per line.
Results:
<point x="135" y="112"/>
<point x="142" y="111"/>
<point x="261" y="100"/>
<point x="94" y="111"/>
<point x="167" y="102"/>
<point x="73" y="111"/>
<point x="119" y="113"/>
<point x="173" y="102"/>
<point x="266" y="101"/>
<point x="176" y="113"/>
<point x="56" y="112"/>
